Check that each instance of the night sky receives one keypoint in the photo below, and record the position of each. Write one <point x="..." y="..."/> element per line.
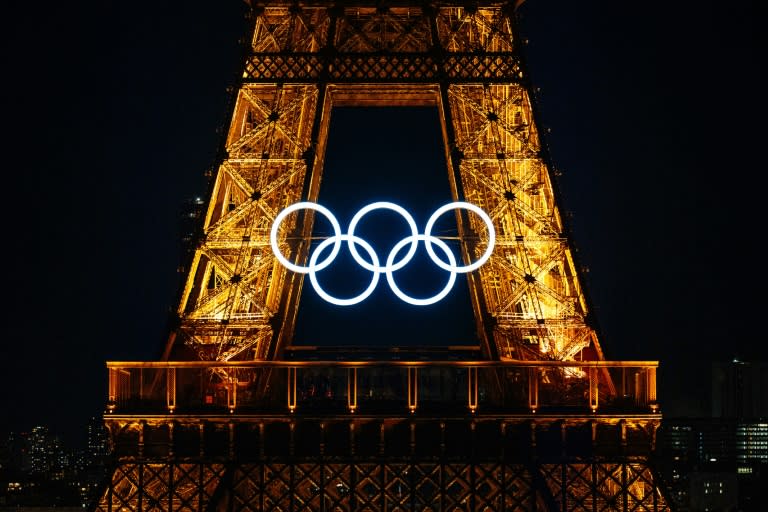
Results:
<point x="112" y="112"/>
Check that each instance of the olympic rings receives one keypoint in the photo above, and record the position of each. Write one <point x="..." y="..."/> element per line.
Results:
<point x="354" y="300"/>
<point x="407" y="298"/>
<point x="336" y="234"/>
<point x="390" y="265"/>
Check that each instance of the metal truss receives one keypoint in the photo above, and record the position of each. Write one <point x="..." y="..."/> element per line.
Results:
<point x="375" y="486"/>
<point x="375" y="463"/>
<point x="238" y="303"/>
<point x="234" y="288"/>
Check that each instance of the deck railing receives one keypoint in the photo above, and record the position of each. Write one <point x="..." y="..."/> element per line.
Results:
<point x="382" y="387"/>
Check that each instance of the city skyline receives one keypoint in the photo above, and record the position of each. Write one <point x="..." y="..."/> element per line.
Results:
<point x="110" y="147"/>
<point x="40" y="468"/>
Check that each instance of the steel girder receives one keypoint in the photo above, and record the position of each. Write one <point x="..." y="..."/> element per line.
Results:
<point x="239" y="303"/>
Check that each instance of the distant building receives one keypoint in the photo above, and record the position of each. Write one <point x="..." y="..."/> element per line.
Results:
<point x="721" y="462"/>
<point x="41" y="448"/>
<point x="97" y="450"/>
<point x="739" y="389"/>
<point x="716" y="491"/>
<point x="38" y="470"/>
<point x="752" y="441"/>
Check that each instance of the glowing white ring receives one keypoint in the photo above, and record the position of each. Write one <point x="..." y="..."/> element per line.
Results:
<point x="336" y="234"/>
<point x="411" y="223"/>
<point x="452" y="267"/>
<point x="352" y="240"/>
<point x="391" y="266"/>
<point x="407" y="298"/>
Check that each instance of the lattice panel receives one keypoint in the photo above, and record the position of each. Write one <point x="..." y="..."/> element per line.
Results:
<point x="530" y="284"/>
<point x="283" y="29"/>
<point x="374" y="29"/>
<point x="247" y="483"/>
<point x="642" y="494"/>
<point x="462" y="29"/>
<point x="458" y="486"/>
<point x="337" y="486"/>
<point x="188" y="480"/>
<point x="367" y="493"/>
<point x="604" y="487"/>
<point x="234" y="285"/>
<point x="610" y="485"/>
<point x="380" y="44"/>
<point x="158" y="486"/>
<point x="426" y="486"/>
<point x="464" y="61"/>
<point x="517" y="490"/>
<point x="124" y="489"/>
<point x="373" y="487"/>
<point x="487" y="481"/>
<point x="277" y="488"/>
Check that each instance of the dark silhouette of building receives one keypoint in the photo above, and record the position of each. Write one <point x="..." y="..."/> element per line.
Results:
<point x="739" y="389"/>
<point x="721" y="462"/>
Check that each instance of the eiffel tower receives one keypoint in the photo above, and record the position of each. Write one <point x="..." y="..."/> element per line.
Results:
<point x="234" y="417"/>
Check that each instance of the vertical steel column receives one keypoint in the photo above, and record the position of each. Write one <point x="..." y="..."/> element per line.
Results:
<point x="533" y="389"/>
<point x="231" y="440"/>
<point x="623" y="389"/>
<point x="201" y="438"/>
<point x="322" y="439"/>
<point x="352" y="389"/>
<point x="291" y="385"/>
<point x="140" y="448"/>
<point x="472" y="391"/>
<point x="170" y="390"/>
<point x="413" y="388"/>
<point x="232" y="394"/>
<point x="637" y="392"/>
<point x="651" y="389"/>
<point x="112" y="393"/>
<point x="382" y="445"/>
<point x="171" y="445"/>
<point x="453" y="158"/>
<point x="594" y="380"/>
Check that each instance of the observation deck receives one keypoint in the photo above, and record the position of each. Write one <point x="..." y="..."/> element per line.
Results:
<point x="348" y="407"/>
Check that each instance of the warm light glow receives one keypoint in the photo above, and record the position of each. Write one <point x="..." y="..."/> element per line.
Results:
<point x="374" y="265"/>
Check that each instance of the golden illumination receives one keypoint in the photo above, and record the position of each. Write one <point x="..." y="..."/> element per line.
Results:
<point x="275" y="142"/>
<point x="239" y="304"/>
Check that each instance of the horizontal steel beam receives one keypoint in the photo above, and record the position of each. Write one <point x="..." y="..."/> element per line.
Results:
<point x="356" y="364"/>
<point x="385" y="67"/>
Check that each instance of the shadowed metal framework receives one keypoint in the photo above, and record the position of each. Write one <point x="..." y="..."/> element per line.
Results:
<point x="532" y="419"/>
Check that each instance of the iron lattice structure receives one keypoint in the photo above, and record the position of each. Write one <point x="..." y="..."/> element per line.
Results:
<point x="240" y="303"/>
<point x="525" y="434"/>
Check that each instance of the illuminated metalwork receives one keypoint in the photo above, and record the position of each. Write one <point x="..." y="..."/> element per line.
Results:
<point x="535" y="420"/>
<point x="347" y="435"/>
<point x="238" y="304"/>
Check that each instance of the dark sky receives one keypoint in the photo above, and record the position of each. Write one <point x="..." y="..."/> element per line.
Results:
<point x="111" y="111"/>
